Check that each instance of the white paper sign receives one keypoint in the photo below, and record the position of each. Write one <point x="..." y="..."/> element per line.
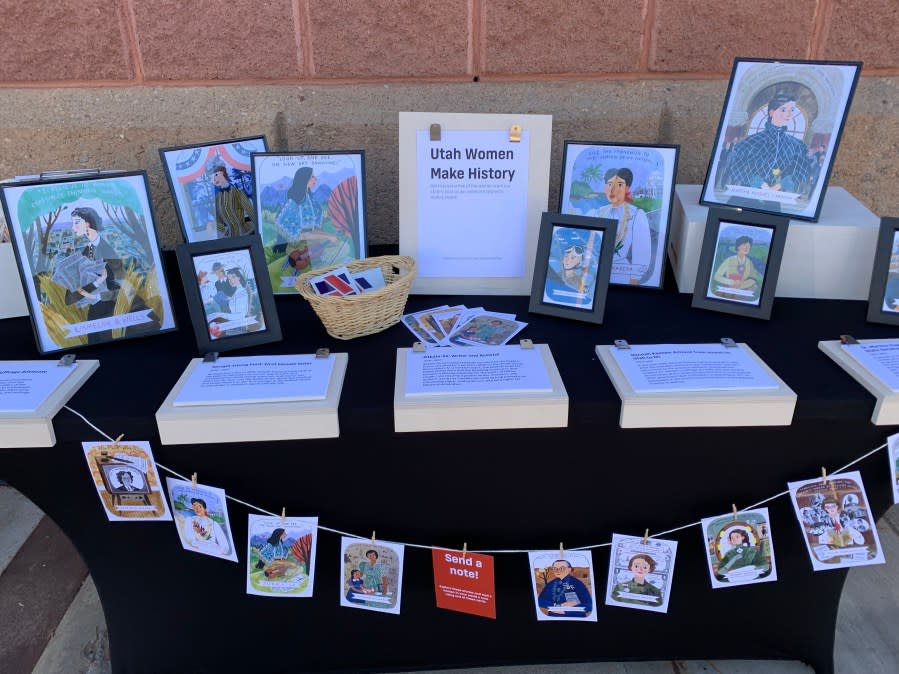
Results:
<point x="257" y="379"/>
<point x="26" y="384"/>
<point x="463" y="370"/>
<point x="472" y="203"/>
<point x="656" y="368"/>
<point x="881" y="359"/>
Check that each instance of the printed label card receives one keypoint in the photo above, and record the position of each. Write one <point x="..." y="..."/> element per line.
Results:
<point x="836" y="522"/>
<point x="640" y="573"/>
<point x="893" y="455"/>
<point x="563" y="586"/>
<point x="281" y="555"/>
<point x="127" y="481"/>
<point x="740" y="549"/>
<point x="464" y="583"/>
<point x="372" y="574"/>
<point x="201" y="517"/>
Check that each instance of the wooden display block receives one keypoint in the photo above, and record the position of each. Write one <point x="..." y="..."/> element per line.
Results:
<point x="251" y="422"/>
<point x="480" y="411"/>
<point x="35" y="429"/>
<point x="886" y="409"/>
<point x="830" y="259"/>
<point x="697" y="409"/>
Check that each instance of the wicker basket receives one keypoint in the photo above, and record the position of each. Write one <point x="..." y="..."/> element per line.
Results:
<point x="359" y="315"/>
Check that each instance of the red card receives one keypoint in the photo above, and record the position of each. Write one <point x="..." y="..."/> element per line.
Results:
<point x="464" y="584"/>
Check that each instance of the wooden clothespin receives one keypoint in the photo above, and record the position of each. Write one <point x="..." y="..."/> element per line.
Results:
<point x="561" y="551"/>
<point x="118" y="439"/>
<point x="464" y="550"/>
<point x="646" y="537"/>
<point x="824" y="475"/>
<point x="193" y="480"/>
<point x="283" y="514"/>
<point x="373" y="537"/>
<point x="734" y="506"/>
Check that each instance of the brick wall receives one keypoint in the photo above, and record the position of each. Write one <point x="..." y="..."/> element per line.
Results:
<point x="153" y="42"/>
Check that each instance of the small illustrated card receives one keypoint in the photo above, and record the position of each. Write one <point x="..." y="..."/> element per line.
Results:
<point x="486" y="330"/>
<point x="127" y="481"/>
<point x="740" y="549"/>
<point x="427" y="320"/>
<point x="281" y="555"/>
<point x="422" y="335"/>
<point x="464" y="582"/>
<point x="836" y="521"/>
<point x="893" y="454"/>
<point x="563" y="585"/>
<point x="368" y="279"/>
<point x="337" y="282"/>
<point x="372" y="574"/>
<point x="640" y="573"/>
<point x="201" y="517"/>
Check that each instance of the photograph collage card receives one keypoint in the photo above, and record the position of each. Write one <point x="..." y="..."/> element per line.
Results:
<point x="372" y="574"/>
<point x="127" y="481"/>
<point x="310" y="210"/>
<point x="633" y="185"/>
<point x="212" y="187"/>
<point x="563" y="585"/>
<point x="640" y="573"/>
<point x="88" y="252"/>
<point x="281" y="555"/>
<point x="836" y="522"/>
<point x="201" y="517"/>
<point x="740" y="548"/>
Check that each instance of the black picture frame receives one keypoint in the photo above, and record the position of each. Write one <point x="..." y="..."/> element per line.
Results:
<point x="652" y="170"/>
<point x="89" y="256"/>
<point x="812" y="99"/>
<point x="337" y="227"/>
<point x="190" y="180"/>
<point x="562" y="236"/>
<point x="718" y="256"/>
<point x="885" y="275"/>
<point x="215" y="328"/>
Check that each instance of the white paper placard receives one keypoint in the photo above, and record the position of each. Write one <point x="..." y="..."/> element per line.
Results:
<point x="503" y="369"/>
<point x="657" y="368"/>
<point x="881" y="358"/>
<point x="257" y="379"/>
<point x="470" y="202"/>
<point x="26" y="384"/>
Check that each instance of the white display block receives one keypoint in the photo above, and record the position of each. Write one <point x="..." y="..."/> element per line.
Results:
<point x="830" y="259"/>
<point x="886" y="409"/>
<point x="696" y="409"/>
<point x="251" y="422"/>
<point x="35" y="429"/>
<point x="480" y="411"/>
<point x="12" y="299"/>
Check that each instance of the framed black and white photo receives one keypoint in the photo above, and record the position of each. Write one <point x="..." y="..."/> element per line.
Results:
<point x="310" y="211"/>
<point x="571" y="272"/>
<point x="883" y="298"/>
<point x="739" y="262"/>
<point x="88" y="255"/>
<point x="212" y="187"/>
<point x="778" y="135"/>
<point x="633" y="185"/>
<point x="228" y="293"/>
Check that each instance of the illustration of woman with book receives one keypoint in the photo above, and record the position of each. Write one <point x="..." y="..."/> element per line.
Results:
<point x="737" y="278"/>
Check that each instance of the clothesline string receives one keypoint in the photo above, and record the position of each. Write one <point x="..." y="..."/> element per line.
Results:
<point x="486" y="552"/>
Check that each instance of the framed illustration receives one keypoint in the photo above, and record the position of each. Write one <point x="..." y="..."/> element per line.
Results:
<point x="633" y="185"/>
<point x="88" y="254"/>
<point x="212" y="187"/>
<point x="883" y="298"/>
<point x="229" y="296"/>
<point x="739" y="262"/>
<point x="574" y="259"/>
<point x="310" y="210"/>
<point x="778" y="135"/>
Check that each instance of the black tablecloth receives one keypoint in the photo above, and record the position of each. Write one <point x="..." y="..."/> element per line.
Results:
<point x="170" y="610"/>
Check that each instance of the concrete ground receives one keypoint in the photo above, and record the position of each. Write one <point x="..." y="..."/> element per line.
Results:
<point x="67" y="631"/>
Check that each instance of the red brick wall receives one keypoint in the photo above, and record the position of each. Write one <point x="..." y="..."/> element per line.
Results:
<point x="189" y="42"/>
